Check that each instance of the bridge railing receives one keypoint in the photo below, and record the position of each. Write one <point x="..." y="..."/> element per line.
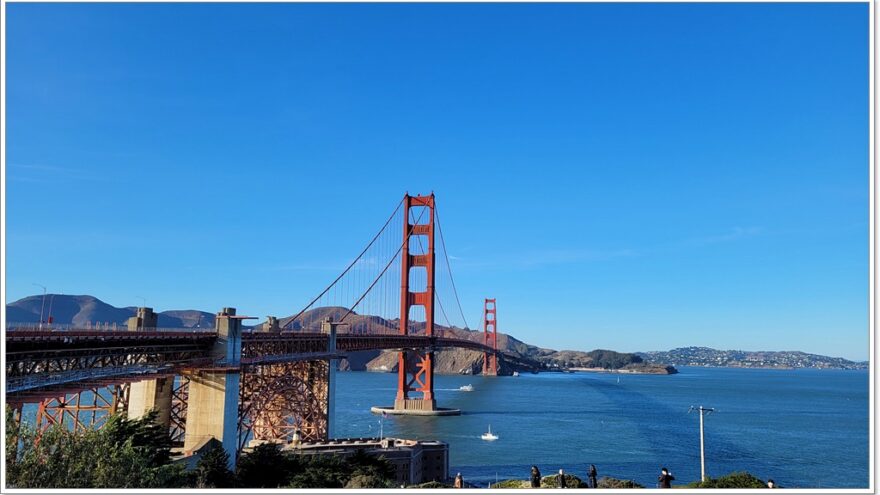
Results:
<point x="67" y="327"/>
<point x="18" y="384"/>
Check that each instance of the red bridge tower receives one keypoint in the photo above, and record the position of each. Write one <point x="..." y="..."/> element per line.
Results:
<point x="415" y="372"/>
<point x="490" y="338"/>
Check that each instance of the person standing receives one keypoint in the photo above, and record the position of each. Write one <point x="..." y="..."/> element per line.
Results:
<point x="665" y="479"/>
<point x="560" y="479"/>
<point x="459" y="481"/>
<point x="771" y="483"/>
<point x="535" y="477"/>
<point x="591" y="475"/>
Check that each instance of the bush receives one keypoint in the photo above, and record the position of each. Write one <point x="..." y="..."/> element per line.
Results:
<point x="571" y="481"/>
<point x="606" y="482"/>
<point x="511" y="484"/>
<point x="368" y="481"/>
<point x="740" y="479"/>
<point x="431" y="484"/>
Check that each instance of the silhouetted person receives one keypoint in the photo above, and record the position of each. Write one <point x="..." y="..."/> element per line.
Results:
<point x="592" y="475"/>
<point x="771" y="484"/>
<point x="535" y="477"/>
<point x="459" y="481"/>
<point x="665" y="478"/>
<point x="560" y="479"/>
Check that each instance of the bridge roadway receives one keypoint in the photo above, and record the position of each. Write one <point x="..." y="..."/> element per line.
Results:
<point x="40" y="363"/>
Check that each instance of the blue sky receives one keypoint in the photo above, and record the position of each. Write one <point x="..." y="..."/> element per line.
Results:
<point x="633" y="177"/>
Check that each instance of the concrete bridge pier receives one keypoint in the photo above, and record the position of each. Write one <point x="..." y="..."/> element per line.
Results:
<point x="212" y="407"/>
<point x="148" y="395"/>
<point x="155" y="394"/>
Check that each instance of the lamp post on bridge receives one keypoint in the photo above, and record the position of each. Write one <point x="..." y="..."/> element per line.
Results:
<point x="43" y="304"/>
<point x="49" y="316"/>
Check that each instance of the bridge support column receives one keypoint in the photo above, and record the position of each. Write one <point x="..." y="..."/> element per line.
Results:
<point x="212" y="403"/>
<point x="329" y="327"/>
<point x="148" y="395"/>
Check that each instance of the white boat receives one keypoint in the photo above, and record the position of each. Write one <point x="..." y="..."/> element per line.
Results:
<point x="489" y="436"/>
<point x="516" y="373"/>
<point x="466" y="388"/>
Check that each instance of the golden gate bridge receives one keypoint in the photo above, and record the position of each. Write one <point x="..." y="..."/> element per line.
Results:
<point x="273" y="382"/>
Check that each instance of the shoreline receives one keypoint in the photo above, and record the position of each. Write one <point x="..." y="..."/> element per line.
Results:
<point x="651" y="371"/>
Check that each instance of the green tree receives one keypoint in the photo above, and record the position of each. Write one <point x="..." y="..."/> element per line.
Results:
<point x="266" y="466"/>
<point x="321" y="472"/>
<point x="378" y="468"/>
<point x="144" y="433"/>
<point x="122" y="455"/>
<point x="212" y="470"/>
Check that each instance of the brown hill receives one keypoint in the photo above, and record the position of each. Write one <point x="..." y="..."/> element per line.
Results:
<point x="85" y="309"/>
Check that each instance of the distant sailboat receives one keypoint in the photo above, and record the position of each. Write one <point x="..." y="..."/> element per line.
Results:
<point x="618" y="379"/>
<point x="489" y="436"/>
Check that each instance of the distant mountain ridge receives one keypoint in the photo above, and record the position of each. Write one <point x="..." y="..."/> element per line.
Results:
<point x="85" y="309"/>
<point x="708" y="357"/>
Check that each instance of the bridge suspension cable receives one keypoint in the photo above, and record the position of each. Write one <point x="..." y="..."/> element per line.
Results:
<point x="347" y="269"/>
<point x="367" y="293"/>
<point x="387" y="265"/>
<point x="449" y="268"/>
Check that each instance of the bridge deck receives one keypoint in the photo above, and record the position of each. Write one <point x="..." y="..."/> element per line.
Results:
<point x="51" y="360"/>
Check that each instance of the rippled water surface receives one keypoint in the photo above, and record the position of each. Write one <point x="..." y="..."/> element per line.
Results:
<point x="803" y="428"/>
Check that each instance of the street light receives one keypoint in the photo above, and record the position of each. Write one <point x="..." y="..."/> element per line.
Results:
<point x="49" y="316"/>
<point x="42" y="305"/>
<point x="703" y="411"/>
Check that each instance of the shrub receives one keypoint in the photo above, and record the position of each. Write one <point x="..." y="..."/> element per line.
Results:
<point x="431" y="484"/>
<point x="511" y="484"/>
<point x="571" y="481"/>
<point x="606" y="482"/>
<point x="368" y="481"/>
<point x="740" y="479"/>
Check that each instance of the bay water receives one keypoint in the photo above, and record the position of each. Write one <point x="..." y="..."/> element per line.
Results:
<point x="803" y="428"/>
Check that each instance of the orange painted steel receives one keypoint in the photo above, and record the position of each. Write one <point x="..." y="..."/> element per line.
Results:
<point x="490" y="338"/>
<point x="415" y="372"/>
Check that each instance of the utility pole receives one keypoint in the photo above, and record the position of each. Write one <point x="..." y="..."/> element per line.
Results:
<point x="42" y="305"/>
<point x="703" y="411"/>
